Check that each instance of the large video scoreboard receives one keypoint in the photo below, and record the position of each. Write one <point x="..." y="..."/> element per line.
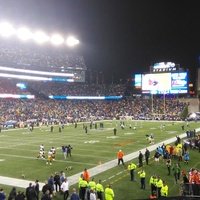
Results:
<point x="162" y="83"/>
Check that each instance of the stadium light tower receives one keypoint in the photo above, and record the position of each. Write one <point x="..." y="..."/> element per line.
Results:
<point x="6" y="29"/>
<point x="152" y="103"/>
<point x="40" y="37"/>
<point x="72" y="41"/>
<point x="164" y="102"/>
<point x="57" y="39"/>
<point x="24" y="33"/>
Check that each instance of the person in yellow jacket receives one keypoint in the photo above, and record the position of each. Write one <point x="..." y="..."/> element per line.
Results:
<point x="164" y="190"/>
<point x="100" y="190"/>
<point x="79" y="180"/>
<point x="109" y="193"/>
<point x="82" y="190"/>
<point x="91" y="186"/>
<point x="159" y="185"/>
<point x="142" y="175"/>
<point x="131" y="168"/>
<point x="152" y="183"/>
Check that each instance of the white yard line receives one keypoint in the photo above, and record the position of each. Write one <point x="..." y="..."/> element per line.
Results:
<point x="34" y="158"/>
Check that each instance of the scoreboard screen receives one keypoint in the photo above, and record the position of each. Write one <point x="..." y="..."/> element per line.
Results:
<point x="156" y="83"/>
<point x="162" y="83"/>
<point x="138" y="81"/>
<point x="179" y="83"/>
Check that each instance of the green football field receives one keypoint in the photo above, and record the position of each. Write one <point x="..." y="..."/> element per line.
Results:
<point x="20" y="147"/>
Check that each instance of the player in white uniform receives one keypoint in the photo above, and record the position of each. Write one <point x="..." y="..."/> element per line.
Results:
<point x="41" y="153"/>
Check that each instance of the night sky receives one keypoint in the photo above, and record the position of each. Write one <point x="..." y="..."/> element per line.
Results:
<point x="118" y="37"/>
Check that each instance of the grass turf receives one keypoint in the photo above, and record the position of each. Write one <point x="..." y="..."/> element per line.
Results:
<point x="19" y="148"/>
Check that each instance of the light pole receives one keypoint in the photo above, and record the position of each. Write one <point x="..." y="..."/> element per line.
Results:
<point x="152" y="103"/>
<point x="164" y="102"/>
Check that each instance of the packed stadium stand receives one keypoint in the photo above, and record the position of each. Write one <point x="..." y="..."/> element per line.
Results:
<point x="8" y="86"/>
<point x="79" y="89"/>
<point x="19" y="54"/>
<point x="82" y="110"/>
<point x="29" y="56"/>
<point x="43" y="58"/>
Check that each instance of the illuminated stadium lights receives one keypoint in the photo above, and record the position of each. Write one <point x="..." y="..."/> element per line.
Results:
<point x="36" y="72"/>
<point x="24" y="33"/>
<point x="57" y="79"/>
<point x="40" y="37"/>
<point x="22" y="86"/>
<point x="57" y="39"/>
<point x="6" y="29"/>
<point x="86" y="97"/>
<point x="70" y="80"/>
<point x="17" y="96"/>
<point x="35" y="78"/>
<point x="72" y="41"/>
<point x="25" y="77"/>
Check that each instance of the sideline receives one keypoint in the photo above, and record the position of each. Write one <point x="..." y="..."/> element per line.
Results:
<point x="93" y="171"/>
<point x="70" y="124"/>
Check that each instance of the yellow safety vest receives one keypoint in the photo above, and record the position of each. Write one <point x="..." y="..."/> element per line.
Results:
<point x="142" y="174"/>
<point x="83" y="183"/>
<point x="99" y="187"/>
<point x="92" y="185"/>
<point x="109" y="194"/>
<point x="132" y="166"/>
<point x="164" y="191"/>
<point x="159" y="183"/>
<point x="153" y="180"/>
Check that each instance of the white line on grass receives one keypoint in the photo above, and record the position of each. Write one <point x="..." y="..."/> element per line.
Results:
<point x="119" y="173"/>
<point x="111" y="177"/>
<point x="34" y="158"/>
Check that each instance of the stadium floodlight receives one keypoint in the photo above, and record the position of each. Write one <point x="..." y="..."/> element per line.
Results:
<point x="72" y="41"/>
<point x="70" y="80"/>
<point x="6" y="29"/>
<point x="17" y="96"/>
<point x="86" y="97"/>
<point x="28" y="71"/>
<point x="24" y="33"/>
<point x="25" y="77"/>
<point x="40" y="37"/>
<point x="57" y="39"/>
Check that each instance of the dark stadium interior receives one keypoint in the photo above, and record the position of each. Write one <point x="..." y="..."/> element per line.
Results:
<point x="129" y="59"/>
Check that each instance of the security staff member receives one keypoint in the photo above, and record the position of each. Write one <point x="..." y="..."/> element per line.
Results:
<point x="91" y="187"/>
<point x="131" y="168"/>
<point x="83" y="186"/>
<point x="142" y="175"/>
<point x="164" y="190"/>
<point x="159" y="185"/>
<point x="109" y="193"/>
<point x="100" y="190"/>
<point x="153" y="180"/>
<point x="92" y="184"/>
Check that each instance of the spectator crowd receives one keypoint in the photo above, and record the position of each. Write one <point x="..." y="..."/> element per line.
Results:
<point x="82" y="110"/>
<point x="20" y="55"/>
